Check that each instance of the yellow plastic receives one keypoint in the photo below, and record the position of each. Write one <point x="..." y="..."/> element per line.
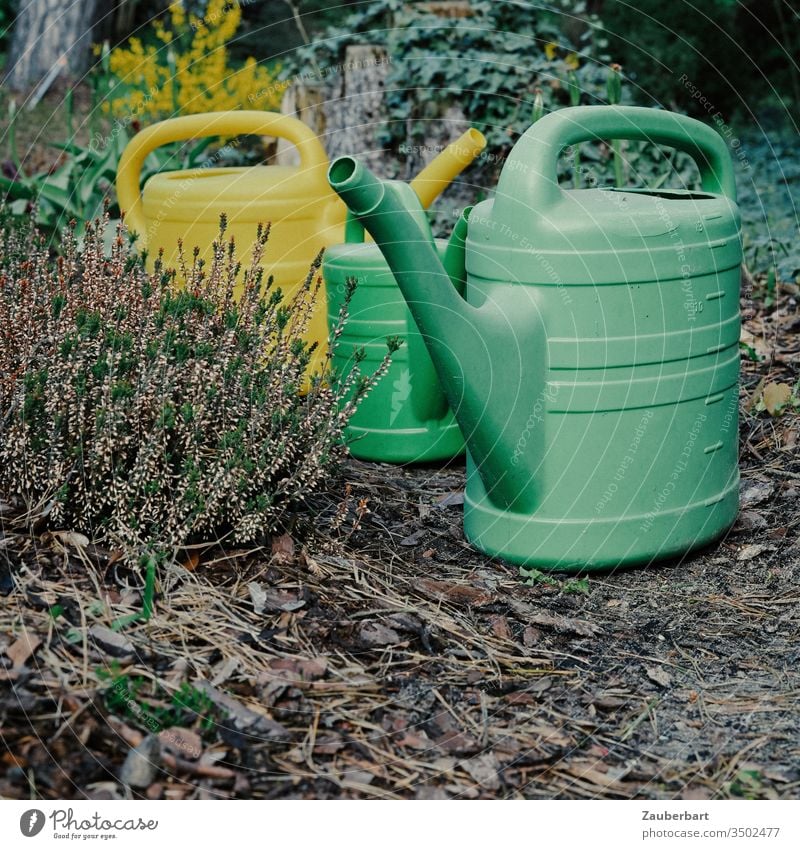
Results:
<point x="305" y="214"/>
<point x="437" y="176"/>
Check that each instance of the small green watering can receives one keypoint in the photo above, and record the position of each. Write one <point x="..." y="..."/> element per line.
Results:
<point x="406" y="417"/>
<point x="593" y="364"/>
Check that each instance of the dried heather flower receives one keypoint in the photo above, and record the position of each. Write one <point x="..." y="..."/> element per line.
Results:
<point x="154" y="414"/>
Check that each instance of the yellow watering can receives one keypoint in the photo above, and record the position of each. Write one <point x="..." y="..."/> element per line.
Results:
<point x="305" y="213"/>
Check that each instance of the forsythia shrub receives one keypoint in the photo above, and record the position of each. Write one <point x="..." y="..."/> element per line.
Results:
<point x="187" y="70"/>
<point x="132" y="409"/>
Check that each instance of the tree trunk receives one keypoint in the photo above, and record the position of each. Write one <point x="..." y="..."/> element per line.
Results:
<point x="347" y="111"/>
<point x="49" y="33"/>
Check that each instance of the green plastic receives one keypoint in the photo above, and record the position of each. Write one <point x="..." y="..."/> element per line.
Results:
<point x="405" y="418"/>
<point x="593" y="367"/>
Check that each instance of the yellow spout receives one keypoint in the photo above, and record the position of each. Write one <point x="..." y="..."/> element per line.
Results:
<point x="437" y="176"/>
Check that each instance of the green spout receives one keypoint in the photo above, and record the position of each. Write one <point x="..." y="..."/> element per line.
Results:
<point x="455" y="257"/>
<point x="489" y="358"/>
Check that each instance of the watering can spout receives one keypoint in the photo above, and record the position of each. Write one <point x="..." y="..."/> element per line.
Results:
<point x="478" y="352"/>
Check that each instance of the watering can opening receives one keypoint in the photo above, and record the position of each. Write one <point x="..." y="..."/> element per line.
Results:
<point x="667" y="194"/>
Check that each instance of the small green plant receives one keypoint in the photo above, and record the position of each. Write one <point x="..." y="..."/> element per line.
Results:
<point x="749" y="351"/>
<point x="747" y="784"/>
<point x="148" y="561"/>
<point x="81" y="187"/>
<point x="570" y="586"/>
<point x="125" y="696"/>
<point x="154" y="415"/>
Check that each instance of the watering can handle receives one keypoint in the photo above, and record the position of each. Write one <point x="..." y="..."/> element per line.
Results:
<point x="233" y="123"/>
<point x="534" y="157"/>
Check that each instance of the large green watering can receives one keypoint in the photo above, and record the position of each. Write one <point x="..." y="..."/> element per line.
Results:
<point x="593" y="364"/>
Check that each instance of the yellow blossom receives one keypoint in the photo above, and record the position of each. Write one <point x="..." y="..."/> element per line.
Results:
<point x="187" y="70"/>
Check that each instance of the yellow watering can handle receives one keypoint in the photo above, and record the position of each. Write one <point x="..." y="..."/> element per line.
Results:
<point x="436" y="177"/>
<point x="312" y="153"/>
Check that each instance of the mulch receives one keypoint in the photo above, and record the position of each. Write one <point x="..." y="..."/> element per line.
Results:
<point x="377" y="655"/>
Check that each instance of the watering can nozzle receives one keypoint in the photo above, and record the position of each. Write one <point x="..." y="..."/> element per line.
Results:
<point x="358" y="187"/>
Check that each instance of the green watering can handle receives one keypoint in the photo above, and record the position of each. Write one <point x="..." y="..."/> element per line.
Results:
<point x="529" y="174"/>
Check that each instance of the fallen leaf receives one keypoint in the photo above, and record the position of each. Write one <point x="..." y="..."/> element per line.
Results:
<point x="112" y="642"/>
<point x="295" y="669"/>
<point x="375" y="634"/>
<point x="608" y="701"/>
<point x="258" y="595"/>
<point x="329" y="744"/>
<point x="755" y="492"/>
<point x="141" y="763"/>
<point x="531" y="636"/>
<point x="593" y="773"/>
<point x="484" y="769"/>
<point x="357" y="777"/>
<point x="500" y="627"/>
<point x="283" y="548"/>
<point x="462" y="595"/>
<point x="191" y="562"/>
<point x="658" y="675"/>
<point x="450" y="738"/>
<point x="776" y="396"/>
<point x="72" y="538"/>
<point x="274" y="601"/>
<point x="224" y="671"/>
<point x="413" y="740"/>
<point x="452" y="499"/>
<point x="182" y="742"/>
<point x="457" y="743"/>
<point x="749" y="520"/>
<point x="415" y="538"/>
<point x="244" y="718"/>
<point x="564" y="625"/>
<point x="753" y="550"/>
<point x="22" y="649"/>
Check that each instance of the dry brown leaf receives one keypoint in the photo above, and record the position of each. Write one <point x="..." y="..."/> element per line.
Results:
<point x="458" y="594"/>
<point x="258" y="595"/>
<point x="22" y="649"/>
<point x="564" y="625"/>
<point x="593" y="773"/>
<point x="753" y="550"/>
<point x="776" y="396"/>
<point x="658" y="675"/>
<point x="283" y="548"/>
<point x="484" y="769"/>
<point x="500" y="627"/>
<point x="191" y="562"/>
<point x="72" y="538"/>
<point x="182" y="742"/>
<point x="451" y="499"/>
<point x="376" y="634"/>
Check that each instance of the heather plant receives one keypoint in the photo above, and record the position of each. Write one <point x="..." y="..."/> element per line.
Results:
<point x="146" y="413"/>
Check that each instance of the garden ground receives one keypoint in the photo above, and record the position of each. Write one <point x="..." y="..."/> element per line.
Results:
<point x="377" y="654"/>
<point x="382" y="656"/>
